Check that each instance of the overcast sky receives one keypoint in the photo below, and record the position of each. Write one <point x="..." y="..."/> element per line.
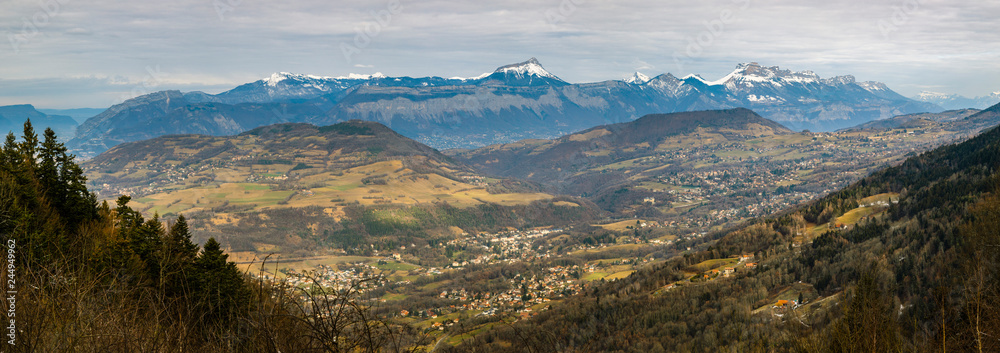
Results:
<point x="94" y="53"/>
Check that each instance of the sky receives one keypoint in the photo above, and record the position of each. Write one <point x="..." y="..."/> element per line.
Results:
<point x="61" y="54"/>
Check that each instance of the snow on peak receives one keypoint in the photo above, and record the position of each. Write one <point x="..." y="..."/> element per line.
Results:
<point x="694" y="76"/>
<point x="480" y="77"/>
<point x="840" y="80"/>
<point x="873" y="86"/>
<point x="354" y="76"/>
<point x="528" y="68"/>
<point x="747" y="74"/>
<point x="277" y="77"/>
<point x="637" y="78"/>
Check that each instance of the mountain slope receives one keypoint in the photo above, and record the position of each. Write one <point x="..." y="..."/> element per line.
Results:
<point x="967" y="122"/>
<point x="556" y="160"/>
<point x="703" y="170"/>
<point x="306" y="164"/>
<point x="915" y="120"/>
<point x="899" y="261"/>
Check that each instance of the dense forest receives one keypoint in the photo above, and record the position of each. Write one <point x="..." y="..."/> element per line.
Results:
<point x="85" y="276"/>
<point x="922" y="276"/>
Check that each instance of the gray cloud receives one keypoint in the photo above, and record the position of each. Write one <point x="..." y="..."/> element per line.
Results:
<point x="90" y="53"/>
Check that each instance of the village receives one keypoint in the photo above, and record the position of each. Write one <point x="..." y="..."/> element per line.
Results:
<point x="523" y="296"/>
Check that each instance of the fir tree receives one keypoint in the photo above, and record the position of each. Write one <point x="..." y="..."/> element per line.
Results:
<point x="177" y="260"/>
<point x="221" y="289"/>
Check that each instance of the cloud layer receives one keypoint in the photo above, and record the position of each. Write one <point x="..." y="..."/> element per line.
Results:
<point x="74" y="53"/>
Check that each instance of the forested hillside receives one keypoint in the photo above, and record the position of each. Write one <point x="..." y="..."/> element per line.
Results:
<point x="907" y="259"/>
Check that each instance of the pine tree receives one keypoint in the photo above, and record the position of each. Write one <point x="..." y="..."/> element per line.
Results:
<point x="179" y="241"/>
<point x="9" y="156"/>
<point x="221" y="291"/>
<point x="28" y="147"/>
<point x="78" y="204"/>
<point x="177" y="260"/>
<point x="48" y="172"/>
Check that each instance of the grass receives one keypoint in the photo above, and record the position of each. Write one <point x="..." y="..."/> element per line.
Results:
<point x="255" y="187"/>
<point x="621" y="226"/>
<point x="396" y="266"/>
<point x="715" y="263"/>
<point x="619" y="275"/>
<point x="853" y="216"/>
<point x="593" y="276"/>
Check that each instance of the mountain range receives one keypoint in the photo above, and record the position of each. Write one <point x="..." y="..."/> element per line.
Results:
<point x="514" y="102"/>
<point x="954" y="101"/>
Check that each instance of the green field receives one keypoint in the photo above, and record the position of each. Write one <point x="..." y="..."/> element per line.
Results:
<point x="396" y="266"/>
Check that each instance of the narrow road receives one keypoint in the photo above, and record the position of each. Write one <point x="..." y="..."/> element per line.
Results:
<point x="438" y="343"/>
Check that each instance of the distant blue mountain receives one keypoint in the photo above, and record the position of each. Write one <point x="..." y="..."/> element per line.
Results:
<point x="12" y="118"/>
<point x="78" y="114"/>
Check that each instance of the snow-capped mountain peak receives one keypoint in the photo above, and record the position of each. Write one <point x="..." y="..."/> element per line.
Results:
<point x="746" y="74"/>
<point x="528" y="68"/>
<point x="637" y="78"/>
<point x="695" y="77"/>
<point x="277" y="77"/>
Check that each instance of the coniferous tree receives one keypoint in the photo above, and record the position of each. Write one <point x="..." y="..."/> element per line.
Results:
<point x="29" y="146"/>
<point x="48" y="169"/>
<point x="177" y="259"/>
<point x="221" y="290"/>
<point x="9" y="156"/>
